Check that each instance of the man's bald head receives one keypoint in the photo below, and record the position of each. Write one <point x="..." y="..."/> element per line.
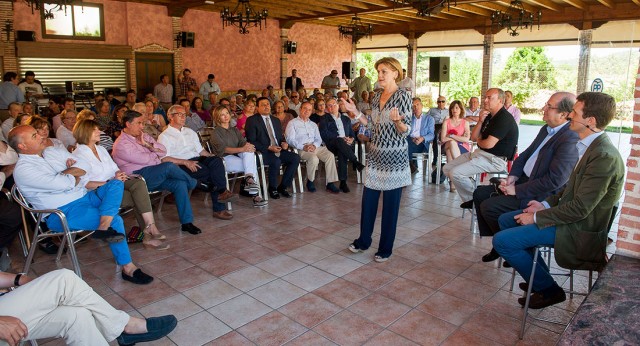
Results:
<point x="19" y="137"/>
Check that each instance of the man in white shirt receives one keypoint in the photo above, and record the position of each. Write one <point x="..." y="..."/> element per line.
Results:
<point x="303" y="134"/>
<point x="295" y="103"/>
<point x="406" y="83"/>
<point x="185" y="150"/>
<point x="46" y="185"/>
<point x="471" y="114"/>
<point x="29" y="87"/>
<point x="14" y="110"/>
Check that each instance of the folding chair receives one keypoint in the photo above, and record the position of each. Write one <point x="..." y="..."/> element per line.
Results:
<point x="68" y="236"/>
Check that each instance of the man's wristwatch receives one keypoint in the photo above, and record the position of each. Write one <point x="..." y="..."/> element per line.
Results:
<point x="16" y="281"/>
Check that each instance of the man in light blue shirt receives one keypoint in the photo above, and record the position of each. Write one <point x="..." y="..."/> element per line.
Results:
<point x="9" y="92"/>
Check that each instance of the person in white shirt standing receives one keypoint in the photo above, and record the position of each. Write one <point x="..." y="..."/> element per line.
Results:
<point x="164" y="92"/>
<point x="185" y="150"/>
<point x="208" y="87"/>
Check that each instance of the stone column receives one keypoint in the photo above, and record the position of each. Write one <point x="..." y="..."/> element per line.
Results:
<point x="487" y="62"/>
<point x="412" y="60"/>
<point x="628" y="243"/>
<point x="284" y="60"/>
<point x="583" y="60"/>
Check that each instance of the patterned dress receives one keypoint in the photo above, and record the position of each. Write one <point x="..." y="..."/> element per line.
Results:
<point x="388" y="162"/>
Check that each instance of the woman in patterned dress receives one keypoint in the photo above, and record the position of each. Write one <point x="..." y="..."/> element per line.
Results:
<point x="388" y="165"/>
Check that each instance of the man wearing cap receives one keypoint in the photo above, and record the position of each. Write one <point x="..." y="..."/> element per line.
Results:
<point x="331" y="83"/>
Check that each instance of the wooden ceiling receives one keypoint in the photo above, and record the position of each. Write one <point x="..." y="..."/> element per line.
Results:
<point x="395" y="17"/>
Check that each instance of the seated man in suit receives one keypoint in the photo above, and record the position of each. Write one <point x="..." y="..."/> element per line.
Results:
<point x="185" y="150"/>
<point x="265" y="132"/>
<point x="46" y="185"/>
<point x="338" y="136"/>
<point x="303" y="134"/>
<point x="60" y="304"/>
<point x="539" y="172"/>
<point x="575" y="220"/>
<point x="422" y="132"/>
<point x="136" y="152"/>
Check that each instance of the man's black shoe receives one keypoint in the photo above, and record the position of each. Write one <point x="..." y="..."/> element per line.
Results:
<point x="157" y="327"/>
<point x="284" y="193"/>
<point x="49" y="247"/>
<point x="110" y="235"/>
<point x="358" y="166"/>
<point x="538" y="301"/>
<point x="467" y="205"/>
<point x="491" y="256"/>
<point x="343" y="187"/>
<point x="274" y="194"/>
<point x="204" y="187"/>
<point x="191" y="228"/>
<point x="506" y="264"/>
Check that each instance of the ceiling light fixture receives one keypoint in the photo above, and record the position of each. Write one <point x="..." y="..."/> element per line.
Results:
<point x="356" y="29"/>
<point x="425" y="8"/>
<point x="515" y="18"/>
<point x="244" y="17"/>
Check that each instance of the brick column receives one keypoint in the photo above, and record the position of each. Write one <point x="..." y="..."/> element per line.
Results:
<point x="9" y="58"/>
<point x="629" y="227"/>
<point x="176" y="26"/>
<point x="487" y="62"/>
<point x="583" y="60"/>
<point x="284" y="60"/>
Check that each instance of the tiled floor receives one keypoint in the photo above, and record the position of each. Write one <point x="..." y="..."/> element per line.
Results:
<point x="282" y="275"/>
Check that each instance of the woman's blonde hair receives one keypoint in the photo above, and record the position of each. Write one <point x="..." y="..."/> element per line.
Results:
<point x="217" y="114"/>
<point x="83" y="130"/>
<point x="393" y="64"/>
<point x="85" y="114"/>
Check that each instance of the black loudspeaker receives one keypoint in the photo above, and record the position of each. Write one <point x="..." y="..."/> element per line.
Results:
<point x="22" y="35"/>
<point x="188" y="39"/>
<point x="349" y="69"/>
<point x="290" y="47"/>
<point x="439" y="69"/>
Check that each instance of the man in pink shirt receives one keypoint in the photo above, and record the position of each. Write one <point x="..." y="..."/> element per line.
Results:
<point x="138" y="153"/>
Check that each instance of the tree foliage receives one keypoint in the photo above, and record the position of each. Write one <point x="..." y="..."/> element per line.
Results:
<point x="527" y="70"/>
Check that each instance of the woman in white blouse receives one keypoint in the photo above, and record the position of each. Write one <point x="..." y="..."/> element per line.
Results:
<point x="103" y="168"/>
<point x="42" y="128"/>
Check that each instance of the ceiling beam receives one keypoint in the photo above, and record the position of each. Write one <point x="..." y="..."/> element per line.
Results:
<point x="576" y="3"/>
<point x="476" y="10"/>
<point x="608" y="3"/>
<point x="548" y="4"/>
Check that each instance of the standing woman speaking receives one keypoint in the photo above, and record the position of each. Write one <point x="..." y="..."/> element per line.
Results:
<point x="388" y="165"/>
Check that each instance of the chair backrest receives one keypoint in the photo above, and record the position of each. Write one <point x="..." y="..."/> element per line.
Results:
<point x="205" y="138"/>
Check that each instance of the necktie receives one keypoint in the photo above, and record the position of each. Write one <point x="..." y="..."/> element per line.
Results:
<point x="272" y="136"/>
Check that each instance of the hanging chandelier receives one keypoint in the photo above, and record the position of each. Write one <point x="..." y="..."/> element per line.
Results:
<point x="244" y="17"/>
<point x="356" y="29"/>
<point x="425" y="8"/>
<point x="54" y="6"/>
<point x="516" y="18"/>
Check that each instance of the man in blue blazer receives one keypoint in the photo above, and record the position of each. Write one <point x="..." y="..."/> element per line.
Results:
<point x="422" y="132"/>
<point x="540" y="171"/>
<point x="338" y="137"/>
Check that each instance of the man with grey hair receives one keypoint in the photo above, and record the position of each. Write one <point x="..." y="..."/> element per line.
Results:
<point x="497" y="137"/>
<point x="540" y="171"/>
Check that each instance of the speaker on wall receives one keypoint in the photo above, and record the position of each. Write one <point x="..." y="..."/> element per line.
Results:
<point x="188" y="39"/>
<point x="439" y="69"/>
<point x="22" y="35"/>
<point x="290" y="47"/>
<point x="349" y="69"/>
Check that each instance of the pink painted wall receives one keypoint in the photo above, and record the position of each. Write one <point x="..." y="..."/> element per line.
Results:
<point x="239" y="61"/>
<point x="249" y="61"/>
<point x="320" y="50"/>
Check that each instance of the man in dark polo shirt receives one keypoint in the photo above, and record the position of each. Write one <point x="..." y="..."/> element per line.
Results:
<point x="497" y="137"/>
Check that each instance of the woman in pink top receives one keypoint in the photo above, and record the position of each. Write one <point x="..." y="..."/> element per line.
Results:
<point x="455" y="133"/>
<point x="248" y="110"/>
